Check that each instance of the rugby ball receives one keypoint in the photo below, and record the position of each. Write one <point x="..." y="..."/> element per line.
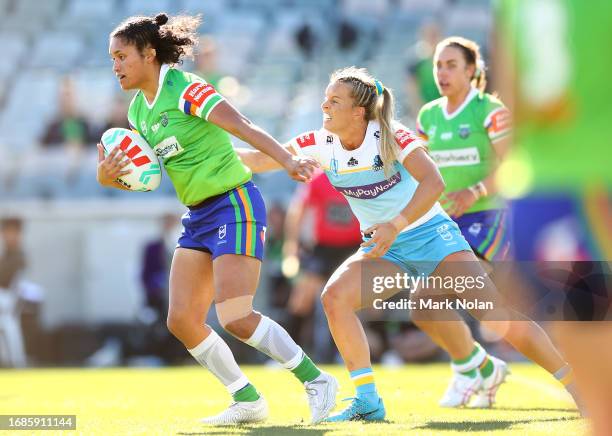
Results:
<point x="146" y="171"/>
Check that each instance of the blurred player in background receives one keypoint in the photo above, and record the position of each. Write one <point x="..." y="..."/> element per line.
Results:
<point x="392" y="186"/>
<point x="336" y="236"/>
<point x="467" y="133"/>
<point x="554" y="56"/>
<point x="219" y="252"/>
<point x="421" y="84"/>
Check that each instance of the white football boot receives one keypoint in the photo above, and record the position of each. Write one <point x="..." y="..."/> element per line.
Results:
<point x="485" y="397"/>
<point x="321" y="394"/>
<point x="460" y="390"/>
<point x="242" y="412"/>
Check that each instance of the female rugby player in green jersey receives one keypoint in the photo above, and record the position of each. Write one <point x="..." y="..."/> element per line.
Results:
<point x="218" y="256"/>
<point x="467" y="132"/>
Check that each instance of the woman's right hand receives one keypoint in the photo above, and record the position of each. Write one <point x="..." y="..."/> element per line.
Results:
<point x="112" y="166"/>
<point x="300" y="168"/>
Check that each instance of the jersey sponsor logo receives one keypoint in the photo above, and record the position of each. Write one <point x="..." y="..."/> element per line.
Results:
<point x="404" y="138"/>
<point x="133" y="152"/>
<point x="446" y="136"/>
<point x="370" y="191"/>
<point x="306" y="140"/>
<point x="378" y="163"/>
<point x="195" y="96"/>
<point x="500" y="121"/>
<point x="167" y="148"/>
<point x="352" y="162"/>
<point x="464" y="131"/>
<point x="456" y="158"/>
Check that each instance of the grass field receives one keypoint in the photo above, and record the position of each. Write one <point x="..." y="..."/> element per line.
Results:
<point x="170" y="401"/>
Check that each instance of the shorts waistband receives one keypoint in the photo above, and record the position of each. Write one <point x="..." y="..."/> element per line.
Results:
<point x="208" y="201"/>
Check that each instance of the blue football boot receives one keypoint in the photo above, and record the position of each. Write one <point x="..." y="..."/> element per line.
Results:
<point x="360" y="410"/>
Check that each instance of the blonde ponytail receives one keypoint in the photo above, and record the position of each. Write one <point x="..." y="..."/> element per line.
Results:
<point x="379" y="105"/>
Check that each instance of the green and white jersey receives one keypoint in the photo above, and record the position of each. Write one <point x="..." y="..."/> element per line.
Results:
<point x="198" y="155"/>
<point x="460" y="143"/>
<point x="560" y="53"/>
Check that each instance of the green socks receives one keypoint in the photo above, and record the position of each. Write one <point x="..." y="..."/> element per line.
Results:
<point x="306" y="371"/>
<point x="247" y="393"/>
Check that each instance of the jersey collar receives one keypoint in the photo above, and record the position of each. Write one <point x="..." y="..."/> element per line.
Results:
<point x="162" y="75"/>
<point x="473" y="93"/>
<point x="370" y="129"/>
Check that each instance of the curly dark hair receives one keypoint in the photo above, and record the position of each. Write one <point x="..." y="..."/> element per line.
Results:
<point x="172" y="38"/>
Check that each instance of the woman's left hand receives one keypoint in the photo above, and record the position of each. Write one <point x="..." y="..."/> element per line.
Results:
<point x="301" y="168"/>
<point x="456" y="203"/>
<point x="384" y="235"/>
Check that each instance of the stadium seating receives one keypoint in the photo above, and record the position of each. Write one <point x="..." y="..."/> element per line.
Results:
<point x="281" y="87"/>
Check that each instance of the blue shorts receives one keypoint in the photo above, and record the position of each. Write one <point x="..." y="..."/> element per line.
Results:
<point x="487" y="232"/>
<point x="563" y="226"/>
<point x="419" y="251"/>
<point x="230" y="223"/>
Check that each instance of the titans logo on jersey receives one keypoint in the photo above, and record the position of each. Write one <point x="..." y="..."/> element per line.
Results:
<point x="374" y="196"/>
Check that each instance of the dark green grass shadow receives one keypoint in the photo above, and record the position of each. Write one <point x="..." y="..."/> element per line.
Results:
<point x="492" y="425"/>
<point x="260" y="430"/>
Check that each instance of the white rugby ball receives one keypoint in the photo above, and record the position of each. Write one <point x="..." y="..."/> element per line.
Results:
<point x="146" y="172"/>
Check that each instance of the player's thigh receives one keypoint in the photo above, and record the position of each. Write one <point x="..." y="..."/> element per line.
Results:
<point x="352" y="284"/>
<point x="471" y="283"/>
<point x="191" y="282"/>
<point x="235" y="275"/>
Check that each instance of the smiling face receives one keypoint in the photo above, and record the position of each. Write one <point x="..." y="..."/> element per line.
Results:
<point x="453" y="74"/>
<point x="339" y="110"/>
<point x="129" y="65"/>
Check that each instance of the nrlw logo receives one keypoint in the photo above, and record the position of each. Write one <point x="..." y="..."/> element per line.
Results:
<point x="371" y="191"/>
<point x="444" y="232"/>
<point x="167" y="148"/>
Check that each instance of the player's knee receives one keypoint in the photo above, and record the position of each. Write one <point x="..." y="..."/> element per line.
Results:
<point x="233" y="313"/>
<point x="176" y="324"/>
<point x="332" y="299"/>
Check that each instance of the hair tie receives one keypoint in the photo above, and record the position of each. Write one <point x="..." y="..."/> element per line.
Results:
<point x="379" y="87"/>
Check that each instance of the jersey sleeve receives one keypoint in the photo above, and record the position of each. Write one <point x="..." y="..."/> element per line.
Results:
<point x="498" y="121"/>
<point x="421" y="125"/>
<point x="199" y="99"/>
<point x="407" y="141"/>
<point x="307" y="144"/>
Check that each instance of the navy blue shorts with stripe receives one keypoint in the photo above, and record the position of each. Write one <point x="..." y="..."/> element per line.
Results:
<point x="230" y="223"/>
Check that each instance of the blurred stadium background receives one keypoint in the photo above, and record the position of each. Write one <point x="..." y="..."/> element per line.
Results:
<point x="270" y="58"/>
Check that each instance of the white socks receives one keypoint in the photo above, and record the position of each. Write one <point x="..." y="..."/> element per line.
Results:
<point x="274" y="341"/>
<point x="214" y="354"/>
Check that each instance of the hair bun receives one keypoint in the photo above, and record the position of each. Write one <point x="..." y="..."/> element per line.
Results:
<point x="161" y="19"/>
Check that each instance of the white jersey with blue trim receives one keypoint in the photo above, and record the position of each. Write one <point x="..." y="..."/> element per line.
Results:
<point x="358" y="174"/>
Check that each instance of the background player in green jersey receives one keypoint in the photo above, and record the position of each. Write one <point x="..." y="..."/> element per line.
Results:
<point x="467" y="133"/>
<point x="219" y="252"/>
<point x="555" y="62"/>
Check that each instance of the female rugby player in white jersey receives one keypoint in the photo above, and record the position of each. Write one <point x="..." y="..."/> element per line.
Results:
<point x="392" y="187"/>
